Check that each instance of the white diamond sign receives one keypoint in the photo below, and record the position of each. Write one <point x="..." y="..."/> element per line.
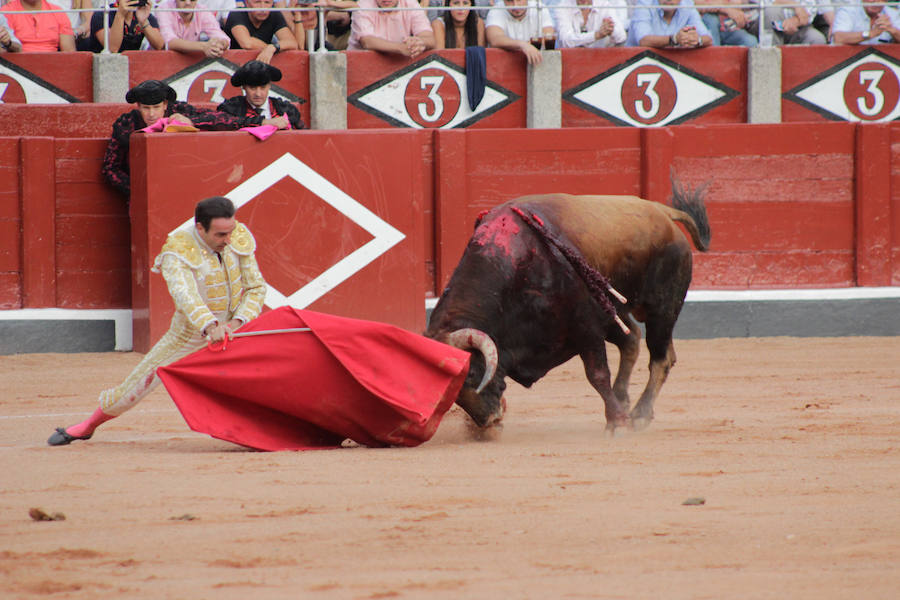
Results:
<point x="865" y="87"/>
<point x="384" y="235"/>
<point x="649" y="91"/>
<point x="18" y="85"/>
<point x="431" y="93"/>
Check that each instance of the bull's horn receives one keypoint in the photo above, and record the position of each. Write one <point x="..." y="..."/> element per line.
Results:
<point x="474" y="339"/>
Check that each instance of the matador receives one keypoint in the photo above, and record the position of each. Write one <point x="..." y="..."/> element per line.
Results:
<point x="216" y="285"/>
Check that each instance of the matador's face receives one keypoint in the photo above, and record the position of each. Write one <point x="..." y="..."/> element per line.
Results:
<point x="219" y="233"/>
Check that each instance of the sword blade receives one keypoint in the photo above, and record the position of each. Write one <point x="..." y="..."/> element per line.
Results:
<point x="270" y="332"/>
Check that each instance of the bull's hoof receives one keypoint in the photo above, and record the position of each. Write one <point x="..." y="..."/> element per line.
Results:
<point x="641" y="423"/>
<point x="617" y="425"/>
<point x="613" y="432"/>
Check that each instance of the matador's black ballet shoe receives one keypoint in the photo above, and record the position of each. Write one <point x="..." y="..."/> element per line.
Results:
<point x="61" y="437"/>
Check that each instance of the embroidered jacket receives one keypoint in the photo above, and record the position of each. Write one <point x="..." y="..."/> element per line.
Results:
<point x="115" y="167"/>
<point x="206" y="289"/>
<point x="250" y="115"/>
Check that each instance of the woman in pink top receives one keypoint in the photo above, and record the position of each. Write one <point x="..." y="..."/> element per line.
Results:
<point x="191" y="31"/>
<point x="42" y="32"/>
<point x="405" y="32"/>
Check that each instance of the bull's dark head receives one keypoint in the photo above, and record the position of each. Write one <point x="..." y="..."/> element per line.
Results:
<point x="482" y="401"/>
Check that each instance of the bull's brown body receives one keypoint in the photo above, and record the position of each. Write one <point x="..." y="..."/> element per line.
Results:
<point x="534" y="304"/>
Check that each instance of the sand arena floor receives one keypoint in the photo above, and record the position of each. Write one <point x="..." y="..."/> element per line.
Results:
<point x="794" y="445"/>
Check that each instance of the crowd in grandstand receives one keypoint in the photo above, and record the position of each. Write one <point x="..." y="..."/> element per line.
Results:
<point x="410" y="27"/>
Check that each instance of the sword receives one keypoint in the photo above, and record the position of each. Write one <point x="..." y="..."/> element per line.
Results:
<point x="221" y="348"/>
<point x="269" y="332"/>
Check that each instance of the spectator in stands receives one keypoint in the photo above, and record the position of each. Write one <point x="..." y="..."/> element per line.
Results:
<point x="306" y="24"/>
<point x="256" y="106"/>
<point x="728" y="26"/>
<point x="258" y="29"/>
<point x="661" y="23"/>
<point x="458" y="28"/>
<point x="8" y="41"/>
<point x="41" y="32"/>
<point x="130" y="25"/>
<point x="791" y="22"/>
<point x="191" y="31"/>
<point x="519" y="28"/>
<point x="153" y="100"/>
<point x="825" y="16"/>
<point x="591" y="24"/>
<point x="481" y="8"/>
<point x="866" y="22"/>
<point x="404" y="32"/>
<point x="337" y="22"/>
<point x="220" y="9"/>
<point x="80" y="21"/>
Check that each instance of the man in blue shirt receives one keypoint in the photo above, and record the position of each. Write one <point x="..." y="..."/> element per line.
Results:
<point x="667" y="23"/>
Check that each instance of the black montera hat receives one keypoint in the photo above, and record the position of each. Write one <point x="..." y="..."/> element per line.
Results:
<point x="151" y="91"/>
<point x="255" y="72"/>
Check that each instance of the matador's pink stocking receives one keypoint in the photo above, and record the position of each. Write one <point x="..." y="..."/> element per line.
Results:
<point x="87" y="427"/>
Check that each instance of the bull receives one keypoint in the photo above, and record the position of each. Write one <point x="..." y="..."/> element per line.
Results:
<point x="547" y="277"/>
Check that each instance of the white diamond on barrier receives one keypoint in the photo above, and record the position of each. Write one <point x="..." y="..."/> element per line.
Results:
<point x="384" y="235"/>
<point x="430" y="93"/>
<point x="863" y="89"/>
<point x="650" y="91"/>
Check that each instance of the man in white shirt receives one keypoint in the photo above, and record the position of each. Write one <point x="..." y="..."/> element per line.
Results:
<point x="591" y="24"/>
<point x="515" y="27"/>
<point x="866" y="23"/>
<point x="219" y="7"/>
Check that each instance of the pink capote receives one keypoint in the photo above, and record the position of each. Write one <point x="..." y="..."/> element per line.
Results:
<point x="370" y="382"/>
<point x="168" y="125"/>
<point x="261" y="132"/>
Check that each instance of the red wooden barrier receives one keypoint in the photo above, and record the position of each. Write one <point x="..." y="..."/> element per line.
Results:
<point x="641" y="87"/>
<point x="46" y="78"/>
<point x="780" y="200"/>
<point x="337" y="219"/>
<point x="780" y="197"/>
<point x="93" y="245"/>
<point x="894" y="207"/>
<point x="38" y="184"/>
<point x="873" y="224"/>
<point x="60" y="120"/>
<point x="10" y="226"/>
<point x="65" y="232"/>
<point x="794" y="205"/>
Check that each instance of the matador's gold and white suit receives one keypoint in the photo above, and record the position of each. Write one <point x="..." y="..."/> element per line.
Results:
<point x="206" y="287"/>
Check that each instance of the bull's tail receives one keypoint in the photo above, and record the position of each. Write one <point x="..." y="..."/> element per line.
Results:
<point x="689" y="209"/>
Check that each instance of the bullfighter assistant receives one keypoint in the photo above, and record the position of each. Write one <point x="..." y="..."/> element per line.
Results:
<point x="153" y="100"/>
<point x="257" y="106"/>
<point x="215" y="283"/>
